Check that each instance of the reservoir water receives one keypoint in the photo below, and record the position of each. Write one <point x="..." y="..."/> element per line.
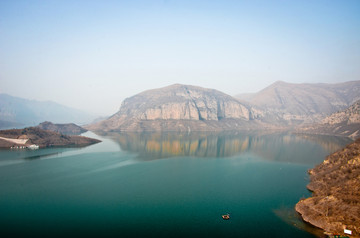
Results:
<point x="161" y="185"/>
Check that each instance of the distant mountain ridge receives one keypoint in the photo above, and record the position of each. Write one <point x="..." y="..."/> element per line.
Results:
<point x="304" y="103"/>
<point x="19" y="112"/>
<point x="180" y="108"/>
<point x="191" y="108"/>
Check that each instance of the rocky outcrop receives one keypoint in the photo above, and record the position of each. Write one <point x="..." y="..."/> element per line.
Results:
<point x="180" y="108"/>
<point x="304" y="103"/>
<point x="42" y="138"/>
<point x="65" y="129"/>
<point x="342" y="123"/>
<point x="335" y="204"/>
<point x="350" y="115"/>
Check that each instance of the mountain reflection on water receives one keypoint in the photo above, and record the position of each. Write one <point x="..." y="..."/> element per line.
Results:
<point x="284" y="147"/>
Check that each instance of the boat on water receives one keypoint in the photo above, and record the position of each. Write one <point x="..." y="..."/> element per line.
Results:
<point x="226" y="216"/>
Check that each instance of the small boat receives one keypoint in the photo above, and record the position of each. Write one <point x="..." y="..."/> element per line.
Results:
<point x="226" y="216"/>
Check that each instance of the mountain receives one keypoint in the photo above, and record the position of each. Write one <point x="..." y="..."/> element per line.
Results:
<point x="65" y="129"/>
<point x="303" y="103"/>
<point x="180" y="108"/>
<point x="342" y="123"/>
<point x="335" y="201"/>
<point x="42" y="138"/>
<point x="190" y="108"/>
<point x="19" y="112"/>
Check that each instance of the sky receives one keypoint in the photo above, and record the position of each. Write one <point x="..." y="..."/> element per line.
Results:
<point x="91" y="55"/>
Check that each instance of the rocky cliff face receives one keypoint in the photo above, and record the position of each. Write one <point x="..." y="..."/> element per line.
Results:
<point x="304" y="103"/>
<point x="180" y="108"/>
<point x="335" y="204"/>
<point x="182" y="102"/>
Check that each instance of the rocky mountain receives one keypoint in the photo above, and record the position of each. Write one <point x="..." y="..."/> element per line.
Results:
<point x="303" y="103"/>
<point x="65" y="129"/>
<point x="189" y="108"/>
<point x="342" y="123"/>
<point x="181" y="108"/>
<point x="335" y="203"/>
<point x="43" y="138"/>
<point x="19" y="112"/>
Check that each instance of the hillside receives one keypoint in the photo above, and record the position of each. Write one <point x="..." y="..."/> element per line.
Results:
<point x="350" y="115"/>
<point x="304" y="103"/>
<point x="65" y="129"/>
<point x="180" y="108"/>
<point x="335" y="203"/>
<point x="342" y="123"/>
<point x="19" y="112"/>
<point x="43" y="138"/>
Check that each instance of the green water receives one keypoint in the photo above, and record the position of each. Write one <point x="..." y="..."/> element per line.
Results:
<point x="160" y="185"/>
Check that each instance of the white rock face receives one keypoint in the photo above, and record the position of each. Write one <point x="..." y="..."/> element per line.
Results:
<point x="180" y="108"/>
<point x="181" y="102"/>
<point x="176" y="111"/>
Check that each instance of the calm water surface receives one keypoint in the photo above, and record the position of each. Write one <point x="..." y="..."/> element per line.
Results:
<point x="161" y="185"/>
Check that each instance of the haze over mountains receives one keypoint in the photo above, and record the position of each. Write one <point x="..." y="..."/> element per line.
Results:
<point x="19" y="112"/>
<point x="190" y="108"/>
<point x="304" y="103"/>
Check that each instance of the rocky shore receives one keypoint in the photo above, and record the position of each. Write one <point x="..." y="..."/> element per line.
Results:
<point x="335" y="183"/>
<point x="42" y="138"/>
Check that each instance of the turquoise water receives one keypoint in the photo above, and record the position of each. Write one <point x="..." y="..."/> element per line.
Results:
<point x="160" y="185"/>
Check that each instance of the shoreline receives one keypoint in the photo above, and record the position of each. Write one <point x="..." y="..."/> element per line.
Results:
<point x="335" y="202"/>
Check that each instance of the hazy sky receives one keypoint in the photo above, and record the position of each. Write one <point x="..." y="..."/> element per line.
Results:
<point x="93" y="54"/>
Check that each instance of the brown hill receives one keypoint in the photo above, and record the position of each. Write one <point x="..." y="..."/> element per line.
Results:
<point x="65" y="129"/>
<point x="335" y="204"/>
<point x="180" y="108"/>
<point x="42" y="138"/>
